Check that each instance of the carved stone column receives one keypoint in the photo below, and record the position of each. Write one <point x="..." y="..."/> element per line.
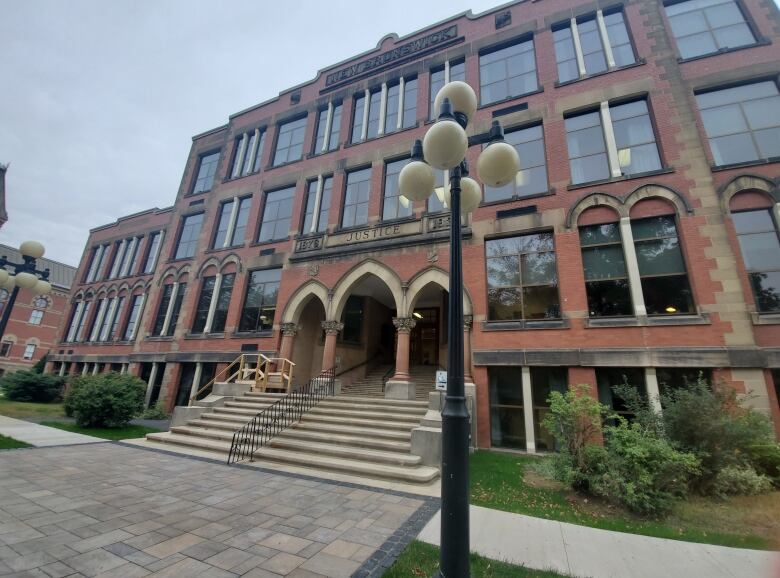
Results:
<point x="399" y="386"/>
<point x="289" y="331"/>
<point x="468" y="321"/>
<point x="332" y="330"/>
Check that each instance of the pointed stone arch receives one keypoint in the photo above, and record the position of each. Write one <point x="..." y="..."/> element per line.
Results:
<point x="350" y="279"/>
<point x="305" y="293"/>
<point x="211" y="261"/>
<point x="435" y="276"/>
<point x="231" y="258"/>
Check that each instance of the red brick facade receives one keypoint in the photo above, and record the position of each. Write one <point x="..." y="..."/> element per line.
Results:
<point x="724" y="334"/>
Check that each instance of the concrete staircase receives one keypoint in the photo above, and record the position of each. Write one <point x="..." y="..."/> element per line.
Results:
<point x="356" y="435"/>
<point x="371" y="385"/>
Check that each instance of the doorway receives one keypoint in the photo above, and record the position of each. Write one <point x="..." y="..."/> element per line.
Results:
<point x="425" y="337"/>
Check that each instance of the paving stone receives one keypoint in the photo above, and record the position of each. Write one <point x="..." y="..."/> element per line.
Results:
<point x="57" y="570"/>
<point x="228" y="559"/>
<point x="127" y="570"/>
<point x="261" y="573"/>
<point x="94" y="562"/>
<point x="205" y="550"/>
<point x="283" y="563"/>
<point x="100" y="540"/>
<point x="172" y="546"/>
<point x="29" y="561"/>
<point x="342" y="548"/>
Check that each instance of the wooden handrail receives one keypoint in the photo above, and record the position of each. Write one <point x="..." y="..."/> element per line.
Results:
<point x="242" y="365"/>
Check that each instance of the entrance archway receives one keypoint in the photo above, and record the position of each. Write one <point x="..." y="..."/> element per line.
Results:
<point x="309" y="343"/>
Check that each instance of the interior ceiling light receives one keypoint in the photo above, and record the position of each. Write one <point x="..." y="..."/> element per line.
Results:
<point x="671" y="309"/>
<point x="418" y="315"/>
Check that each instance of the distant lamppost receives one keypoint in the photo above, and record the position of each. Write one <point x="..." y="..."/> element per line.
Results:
<point x="444" y="147"/>
<point x="26" y="276"/>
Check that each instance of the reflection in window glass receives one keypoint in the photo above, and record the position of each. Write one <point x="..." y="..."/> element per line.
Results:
<point x="357" y="119"/>
<point x="661" y="266"/>
<point x="206" y="172"/>
<point x="395" y="205"/>
<point x="544" y="381"/>
<point x="289" y="143"/>
<point x="606" y="277"/>
<point x="634" y="137"/>
<point x="607" y="378"/>
<point x="706" y="26"/>
<point x="276" y="215"/>
<point x="507" y="72"/>
<point x="671" y="378"/>
<point x="507" y="421"/>
<point x="223" y="224"/>
<point x="522" y="278"/>
<point x="760" y="247"/>
<point x="356" y="198"/>
<point x="742" y="123"/>
<point x="531" y="179"/>
<point x="188" y="238"/>
<point x="260" y="300"/>
<point x="587" y="148"/>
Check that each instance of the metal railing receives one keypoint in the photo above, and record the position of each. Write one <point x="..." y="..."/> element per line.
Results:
<point x="263" y="372"/>
<point x="386" y="377"/>
<point x="279" y="415"/>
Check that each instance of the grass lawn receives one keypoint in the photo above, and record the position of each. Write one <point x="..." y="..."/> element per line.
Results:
<point x="112" y="433"/>
<point x="7" y="443"/>
<point x="504" y="482"/>
<point x="26" y="409"/>
<point x="422" y="560"/>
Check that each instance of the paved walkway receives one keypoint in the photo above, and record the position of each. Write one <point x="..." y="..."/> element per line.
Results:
<point x="41" y="435"/>
<point x="114" y="510"/>
<point x="589" y="552"/>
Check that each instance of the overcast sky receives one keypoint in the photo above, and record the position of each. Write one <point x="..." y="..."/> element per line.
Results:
<point x="99" y="100"/>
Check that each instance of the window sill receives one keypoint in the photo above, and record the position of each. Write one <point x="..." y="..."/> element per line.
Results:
<point x="514" y="199"/>
<point x="250" y="334"/>
<point x="159" y="338"/>
<point x="647" y="321"/>
<point x="639" y="62"/>
<point x="663" y="171"/>
<point x="309" y="235"/>
<point x="180" y="259"/>
<point x="323" y="153"/>
<point x="239" y="177"/>
<point x="269" y="242"/>
<point x="215" y="335"/>
<point x="379" y="136"/>
<point x="279" y="166"/>
<point x="190" y="195"/>
<point x="521" y="325"/>
<point x="765" y="318"/>
<point x="716" y="168"/>
<point x="511" y="98"/>
<point x="759" y="42"/>
<point x="231" y="248"/>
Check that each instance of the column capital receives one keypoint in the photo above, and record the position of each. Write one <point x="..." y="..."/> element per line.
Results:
<point x="332" y="327"/>
<point x="404" y="324"/>
<point x="289" y="329"/>
<point x="468" y="321"/>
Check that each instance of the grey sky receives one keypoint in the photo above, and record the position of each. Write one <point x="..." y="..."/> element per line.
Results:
<point x="99" y="99"/>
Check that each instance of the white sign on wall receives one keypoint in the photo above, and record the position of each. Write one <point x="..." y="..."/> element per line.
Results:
<point x="441" y="380"/>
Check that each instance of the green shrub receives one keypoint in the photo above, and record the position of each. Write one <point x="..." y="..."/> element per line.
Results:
<point x="155" y="412"/>
<point x="740" y="481"/>
<point x="765" y="458"/>
<point x="26" y="385"/>
<point x="711" y="424"/>
<point x="105" y="400"/>
<point x="639" y="470"/>
<point x="40" y="365"/>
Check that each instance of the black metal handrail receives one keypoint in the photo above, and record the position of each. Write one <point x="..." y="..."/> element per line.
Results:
<point x="279" y="415"/>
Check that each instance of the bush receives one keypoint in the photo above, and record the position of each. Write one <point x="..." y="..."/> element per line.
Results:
<point x="765" y="458"/>
<point x="740" y="481"/>
<point x="155" y="412"/>
<point x="639" y="470"/>
<point x="26" y="385"/>
<point x="105" y="400"/>
<point x="710" y="423"/>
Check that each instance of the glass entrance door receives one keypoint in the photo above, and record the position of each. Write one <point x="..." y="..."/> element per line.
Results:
<point x="425" y="338"/>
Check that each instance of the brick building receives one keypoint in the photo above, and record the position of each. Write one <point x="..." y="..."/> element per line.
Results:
<point x="639" y="241"/>
<point x="33" y="325"/>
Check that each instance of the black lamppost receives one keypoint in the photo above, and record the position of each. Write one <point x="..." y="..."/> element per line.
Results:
<point x="444" y="147"/>
<point x="26" y="276"/>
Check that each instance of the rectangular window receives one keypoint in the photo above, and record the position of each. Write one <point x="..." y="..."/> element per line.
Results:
<point x="133" y="317"/>
<point x="117" y="318"/>
<point x="742" y="123"/>
<point x="328" y="140"/>
<point x="260" y="300"/>
<point x="207" y="168"/>
<point x="760" y="247"/>
<point x="259" y="154"/>
<point x="83" y="321"/>
<point x="708" y="26"/>
<point x="223" y="224"/>
<point x="96" y="263"/>
<point x="242" y="218"/>
<point x="391" y="108"/>
<point x="176" y="309"/>
<point x="105" y="324"/>
<point x="531" y="179"/>
<point x="204" y="302"/>
<point x="608" y="378"/>
<point x="289" y="142"/>
<point x="522" y="278"/>
<point x="507" y="416"/>
<point x="97" y="322"/>
<point x="661" y="266"/>
<point x="395" y="205"/>
<point x="352" y="318"/>
<point x="457" y="71"/>
<point x="5" y="348"/>
<point x="152" y="251"/>
<point x="410" y="103"/>
<point x="436" y="202"/>
<point x="374" y="104"/>
<point x="277" y="215"/>
<point x="36" y="316"/>
<point x="544" y="381"/>
<point x="606" y="276"/>
<point x="136" y="257"/>
<point x="223" y="303"/>
<point x="74" y="321"/>
<point x="357" y="119"/>
<point x="317" y="206"/>
<point x="119" y="254"/>
<point x="159" y="319"/>
<point x="635" y="152"/>
<point x="129" y="257"/>
<point x="29" y="351"/>
<point x="356" y="197"/>
<point x="507" y="72"/>
<point x="188" y="237"/>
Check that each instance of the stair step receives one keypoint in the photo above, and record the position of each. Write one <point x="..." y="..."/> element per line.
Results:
<point x="417" y="474"/>
<point x="368" y="406"/>
<point x="190" y="441"/>
<point x="353" y="421"/>
<point x="214" y="434"/>
<point x="335" y="428"/>
<point x="213" y="424"/>
<point x="363" y="414"/>
<point x="346" y="440"/>
<point x="350" y="453"/>
<point x="383" y="401"/>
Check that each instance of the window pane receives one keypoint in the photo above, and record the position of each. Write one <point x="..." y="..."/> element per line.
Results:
<point x="659" y="257"/>
<point x="505" y="304"/>
<point x="507" y="72"/>
<point x="391" y="108"/>
<point x="724" y="120"/>
<point x="653" y="228"/>
<point x="696" y="45"/>
<point x="322" y="123"/>
<point x="734" y="36"/>
<point x="667" y="295"/>
<point x="410" y="103"/>
<point x="206" y="172"/>
<point x="289" y="143"/>
<point x="395" y="206"/>
<point x="373" y="114"/>
<point x="277" y="215"/>
<point x="356" y="197"/>
<point x="503" y="271"/>
<point x="753" y="221"/>
<point x="768" y="142"/>
<point x="737" y="148"/>
<point x="598" y="234"/>
<point x="239" y="230"/>
<point x="568" y="70"/>
<point x="541" y="302"/>
<point x="609" y="298"/>
<point x="357" y="120"/>
<point x="585" y="142"/>
<point x="188" y="239"/>
<point x="766" y="289"/>
<point x="761" y="251"/>
<point x="539" y="269"/>
<point x="588" y="169"/>
<point x="226" y="210"/>
<point x="604" y="262"/>
<point x="335" y="128"/>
